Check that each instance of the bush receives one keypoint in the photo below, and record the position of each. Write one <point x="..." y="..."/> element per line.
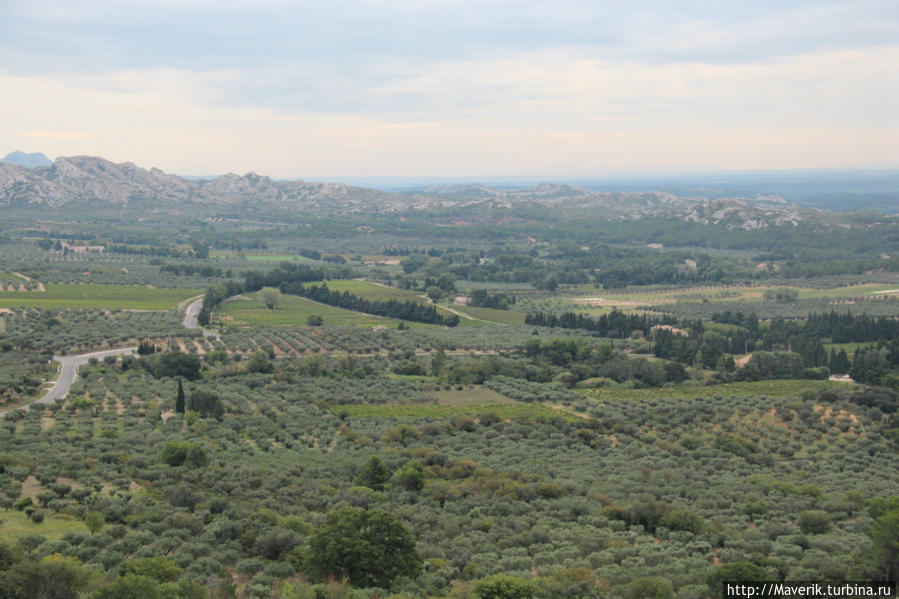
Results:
<point x="501" y="586"/>
<point x="740" y="570"/>
<point x="177" y="453"/>
<point x="814" y="522"/>
<point x="277" y="543"/>
<point x="411" y="476"/>
<point x="260" y="362"/>
<point x="650" y="587"/>
<point x="207" y="403"/>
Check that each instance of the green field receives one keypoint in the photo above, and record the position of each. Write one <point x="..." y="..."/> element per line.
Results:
<point x="380" y="293"/>
<point x="249" y="310"/>
<point x="781" y="388"/>
<point x="475" y="395"/>
<point x="90" y="295"/>
<point x="15" y="525"/>
<point x="479" y="316"/>
<point x="371" y="291"/>
<point x="492" y="315"/>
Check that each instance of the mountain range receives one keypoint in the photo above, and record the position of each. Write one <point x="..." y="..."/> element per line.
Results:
<point x="79" y="179"/>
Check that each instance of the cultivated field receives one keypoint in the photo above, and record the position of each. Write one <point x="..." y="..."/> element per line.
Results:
<point x="249" y="310"/>
<point x="88" y="295"/>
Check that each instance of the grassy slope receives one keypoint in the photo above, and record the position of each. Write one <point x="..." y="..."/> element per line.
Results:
<point x="15" y="525"/>
<point x="292" y="311"/>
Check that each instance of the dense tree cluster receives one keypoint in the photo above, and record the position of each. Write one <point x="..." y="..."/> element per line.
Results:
<point x="203" y="270"/>
<point x="403" y="310"/>
<point x="614" y="324"/>
<point x="499" y="301"/>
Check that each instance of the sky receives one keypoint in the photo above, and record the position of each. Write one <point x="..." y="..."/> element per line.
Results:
<point x="456" y="88"/>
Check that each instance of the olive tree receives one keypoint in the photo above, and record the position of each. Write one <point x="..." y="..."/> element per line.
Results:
<point x="367" y="547"/>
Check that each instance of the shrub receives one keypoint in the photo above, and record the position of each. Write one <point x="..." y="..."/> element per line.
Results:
<point x="813" y="522"/>
<point x="177" y="453"/>
<point x="501" y="586"/>
<point x="650" y="587"/>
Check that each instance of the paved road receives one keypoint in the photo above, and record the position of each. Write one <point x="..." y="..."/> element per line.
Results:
<point x="190" y="317"/>
<point x="69" y="364"/>
<point x="67" y="372"/>
<point x="191" y="313"/>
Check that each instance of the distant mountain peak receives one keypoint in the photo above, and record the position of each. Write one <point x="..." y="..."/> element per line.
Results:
<point x="33" y="160"/>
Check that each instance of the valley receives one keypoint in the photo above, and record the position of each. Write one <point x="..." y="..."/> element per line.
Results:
<point x="569" y="392"/>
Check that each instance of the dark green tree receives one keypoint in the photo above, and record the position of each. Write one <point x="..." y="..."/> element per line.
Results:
<point x="740" y="570"/>
<point x="650" y="587"/>
<point x="157" y="568"/>
<point x="179" y="398"/>
<point x="813" y="522"/>
<point x="201" y="249"/>
<point x="367" y="547"/>
<point x="206" y="403"/>
<point x="438" y="361"/>
<point x="882" y="559"/>
<point x="53" y="577"/>
<point x="260" y="362"/>
<point x="177" y="363"/>
<point x="374" y="474"/>
<point x="501" y="586"/>
<point x="177" y="453"/>
<point x="411" y="476"/>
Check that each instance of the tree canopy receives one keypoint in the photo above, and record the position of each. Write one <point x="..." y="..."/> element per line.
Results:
<point x="368" y="547"/>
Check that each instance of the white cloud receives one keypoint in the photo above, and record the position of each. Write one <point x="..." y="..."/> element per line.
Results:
<point x="456" y="88"/>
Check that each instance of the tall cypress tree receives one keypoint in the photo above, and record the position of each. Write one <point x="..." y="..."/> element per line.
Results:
<point x="179" y="399"/>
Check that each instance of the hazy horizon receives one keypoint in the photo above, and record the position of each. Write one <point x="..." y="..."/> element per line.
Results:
<point x="623" y="174"/>
<point x="465" y="89"/>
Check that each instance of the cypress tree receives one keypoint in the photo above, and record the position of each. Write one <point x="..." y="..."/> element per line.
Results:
<point x="179" y="399"/>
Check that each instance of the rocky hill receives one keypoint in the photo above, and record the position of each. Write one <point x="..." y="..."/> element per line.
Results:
<point x="96" y="180"/>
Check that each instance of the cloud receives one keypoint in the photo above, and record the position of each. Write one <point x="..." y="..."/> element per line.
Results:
<point x="442" y="87"/>
<point x="55" y="134"/>
<point x="353" y="35"/>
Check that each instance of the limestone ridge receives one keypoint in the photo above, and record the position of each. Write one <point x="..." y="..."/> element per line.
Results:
<point x="94" y="180"/>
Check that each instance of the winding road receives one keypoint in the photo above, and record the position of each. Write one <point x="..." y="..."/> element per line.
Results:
<point x="67" y="372"/>
<point x="190" y="317"/>
<point x="69" y="365"/>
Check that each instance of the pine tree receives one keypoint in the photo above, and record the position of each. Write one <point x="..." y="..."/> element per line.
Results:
<point x="374" y="474"/>
<point x="179" y="399"/>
